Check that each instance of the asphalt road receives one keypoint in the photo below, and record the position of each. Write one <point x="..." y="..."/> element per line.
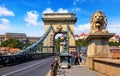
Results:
<point x="32" y="68"/>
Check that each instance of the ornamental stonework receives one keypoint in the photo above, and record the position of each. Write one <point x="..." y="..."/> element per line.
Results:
<point x="98" y="23"/>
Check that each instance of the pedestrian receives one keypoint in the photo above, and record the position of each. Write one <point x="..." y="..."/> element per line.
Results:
<point x="80" y="59"/>
<point x="76" y="60"/>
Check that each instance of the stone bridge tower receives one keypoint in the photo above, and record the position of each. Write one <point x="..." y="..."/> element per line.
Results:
<point x="59" y="21"/>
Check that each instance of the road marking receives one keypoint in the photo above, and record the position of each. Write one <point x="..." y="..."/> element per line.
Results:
<point x="24" y="68"/>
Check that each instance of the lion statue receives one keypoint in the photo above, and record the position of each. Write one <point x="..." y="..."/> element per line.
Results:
<point x="98" y="23"/>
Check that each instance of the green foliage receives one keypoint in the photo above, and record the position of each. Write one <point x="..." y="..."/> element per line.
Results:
<point x="80" y="42"/>
<point x="58" y="40"/>
<point x="4" y="43"/>
<point x="10" y="43"/>
<point x="114" y="43"/>
<point x="14" y="43"/>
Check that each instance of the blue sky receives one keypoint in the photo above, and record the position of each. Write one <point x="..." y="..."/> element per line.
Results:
<point x="24" y="16"/>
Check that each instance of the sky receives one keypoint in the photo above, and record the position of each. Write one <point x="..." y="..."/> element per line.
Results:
<point x="24" y="16"/>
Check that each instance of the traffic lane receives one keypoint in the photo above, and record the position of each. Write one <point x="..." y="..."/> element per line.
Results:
<point x="28" y="69"/>
<point x="37" y="69"/>
<point x="6" y="70"/>
<point x="40" y="71"/>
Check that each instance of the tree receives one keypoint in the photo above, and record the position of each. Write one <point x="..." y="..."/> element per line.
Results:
<point x="58" y="40"/>
<point x="14" y="43"/>
<point x="80" y="42"/>
<point x="4" y="43"/>
<point x="114" y="43"/>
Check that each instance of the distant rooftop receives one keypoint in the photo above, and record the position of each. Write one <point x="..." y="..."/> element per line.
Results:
<point x="16" y="34"/>
<point x="117" y="36"/>
<point x="20" y="36"/>
<point x="77" y="35"/>
<point x="83" y="34"/>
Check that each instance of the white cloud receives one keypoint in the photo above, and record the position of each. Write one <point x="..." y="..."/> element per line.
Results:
<point x="4" y="24"/>
<point x="32" y="18"/>
<point x="5" y="21"/>
<point x="37" y="34"/>
<point x="114" y="27"/>
<point x="60" y="10"/>
<point x="77" y="1"/>
<point x="48" y="10"/>
<point x="74" y="2"/>
<point x="76" y="9"/>
<point x="5" y="12"/>
<point x="82" y="28"/>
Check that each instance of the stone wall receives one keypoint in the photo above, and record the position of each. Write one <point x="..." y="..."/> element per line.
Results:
<point x="107" y="66"/>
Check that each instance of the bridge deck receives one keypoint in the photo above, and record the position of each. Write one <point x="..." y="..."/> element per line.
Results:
<point x="31" y="68"/>
<point x="77" y="70"/>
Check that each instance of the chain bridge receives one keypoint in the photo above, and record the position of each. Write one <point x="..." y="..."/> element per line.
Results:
<point x="98" y="55"/>
<point x="54" y="23"/>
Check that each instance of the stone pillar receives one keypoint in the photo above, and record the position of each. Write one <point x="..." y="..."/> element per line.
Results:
<point x="58" y="20"/>
<point x="62" y="44"/>
<point x="98" y="47"/>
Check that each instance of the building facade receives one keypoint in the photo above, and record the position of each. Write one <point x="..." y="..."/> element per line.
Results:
<point x="1" y="38"/>
<point x="83" y="36"/>
<point x="18" y="36"/>
<point x="115" y="38"/>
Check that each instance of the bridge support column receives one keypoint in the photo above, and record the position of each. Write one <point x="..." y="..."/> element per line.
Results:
<point x="98" y="47"/>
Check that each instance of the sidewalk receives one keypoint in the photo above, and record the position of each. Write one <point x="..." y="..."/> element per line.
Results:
<point x="77" y="70"/>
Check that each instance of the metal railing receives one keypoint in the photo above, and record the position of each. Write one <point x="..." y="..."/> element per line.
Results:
<point x="17" y="59"/>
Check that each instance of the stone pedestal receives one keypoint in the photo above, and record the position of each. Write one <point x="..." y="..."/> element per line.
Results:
<point x="98" y="47"/>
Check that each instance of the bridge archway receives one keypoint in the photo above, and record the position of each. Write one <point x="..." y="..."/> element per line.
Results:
<point x="59" y="38"/>
<point x="60" y="23"/>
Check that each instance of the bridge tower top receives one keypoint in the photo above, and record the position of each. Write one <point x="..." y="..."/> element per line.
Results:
<point x="59" y="17"/>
